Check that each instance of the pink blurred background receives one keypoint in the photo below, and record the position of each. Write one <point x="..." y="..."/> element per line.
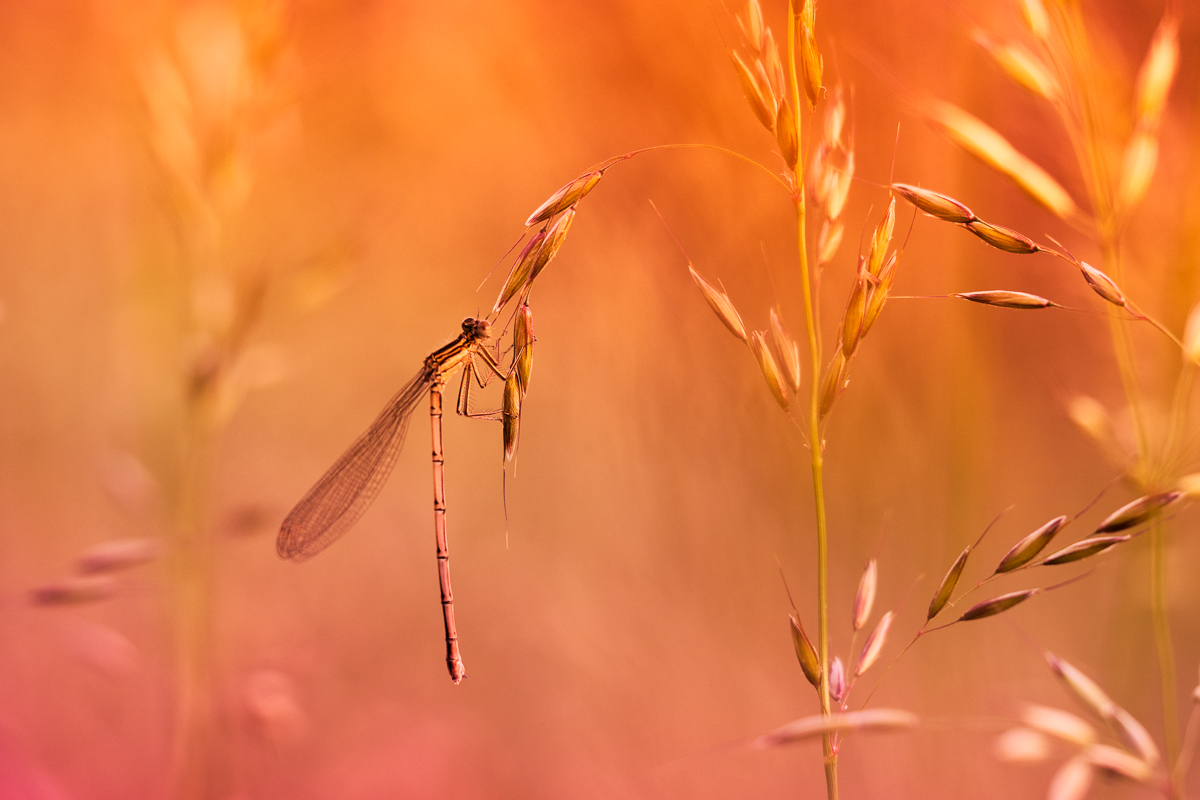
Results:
<point x="626" y="628"/>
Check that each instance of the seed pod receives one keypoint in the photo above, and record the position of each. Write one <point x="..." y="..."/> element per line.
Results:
<point x="785" y="135"/>
<point x="1158" y="72"/>
<point x="721" y="304"/>
<point x="1137" y="737"/>
<point x="880" y="295"/>
<point x="1083" y="687"/>
<point x="1074" y="778"/>
<point x="934" y="204"/>
<point x="828" y="242"/>
<point x="874" y="644"/>
<point x="511" y="415"/>
<point x="770" y="370"/>
<point x="1002" y="238"/>
<point x="834" y="382"/>
<point x="852" y="322"/>
<point x="1102" y="284"/>
<point x="555" y="236"/>
<point x="1137" y="512"/>
<point x="1027" y="549"/>
<point x="864" y="598"/>
<point x="837" y="680"/>
<point x="760" y="104"/>
<point x="565" y="198"/>
<point x="1060" y="724"/>
<point x="523" y="341"/>
<point x="990" y="608"/>
<point x="1085" y="548"/>
<point x="881" y="239"/>
<point x="789" y="352"/>
<point x="1118" y="762"/>
<point x="1005" y="299"/>
<point x="810" y="663"/>
<point x="119" y="554"/>
<point x="86" y="589"/>
<point x="518" y="276"/>
<point x="942" y="596"/>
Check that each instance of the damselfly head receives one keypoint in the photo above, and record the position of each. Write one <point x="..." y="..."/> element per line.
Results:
<point x="476" y="328"/>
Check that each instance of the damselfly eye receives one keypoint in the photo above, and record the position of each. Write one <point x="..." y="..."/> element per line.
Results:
<point x="469" y="325"/>
<point x="483" y="328"/>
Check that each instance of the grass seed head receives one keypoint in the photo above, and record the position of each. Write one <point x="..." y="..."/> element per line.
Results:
<point x="828" y="242"/>
<point x="770" y="370"/>
<point x="864" y="598"/>
<point x="835" y="117"/>
<point x="990" y="147"/>
<point x="1141" y="159"/>
<point x="934" y="204"/>
<point x="810" y="662"/>
<point x="1022" y="746"/>
<point x="1141" y="510"/>
<point x="518" y="276"/>
<point x="119" y="554"/>
<point x="1002" y="238"/>
<point x="753" y="28"/>
<point x="1021" y="65"/>
<point x="785" y="135"/>
<point x="1060" y="724"/>
<point x="852" y="322"/>
<point x="774" y="66"/>
<point x="834" y="382"/>
<point x="511" y="415"/>
<point x="837" y="679"/>
<point x="1038" y="22"/>
<point x="1158" y="72"/>
<point x="1005" y="299"/>
<point x="789" y="352"/>
<point x="1137" y="737"/>
<point x="1117" y="762"/>
<point x="69" y="591"/>
<point x="1027" y="549"/>
<point x="1191" y="334"/>
<point x="721" y="305"/>
<point x="879" y="719"/>
<point x="1072" y="780"/>
<point x="997" y="605"/>
<point x="1092" y="418"/>
<point x="882" y="238"/>
<point x="811" y="65"/>
<point x="874" y="645"/>
<point x="523" y="341"/>
<point x="1085" y="548"/>
<point x="1086" y="690"/>
<point x="565" y="198"/>
<point x="554" y="240"/>
<point x="841" y="171"/>
<point x="879" y="295"/>
<point x="946" y="588"/>
<point x="760" y="102"/>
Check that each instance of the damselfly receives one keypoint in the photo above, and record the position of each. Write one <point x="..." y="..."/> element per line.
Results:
<point x="340" y="497"/>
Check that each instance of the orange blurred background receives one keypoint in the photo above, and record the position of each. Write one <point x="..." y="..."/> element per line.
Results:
<point x="624" y="627"/>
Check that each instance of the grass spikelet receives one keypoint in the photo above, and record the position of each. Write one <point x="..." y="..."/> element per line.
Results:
<point x="840" y="175"/>
<point x="806" y="654"/>
<point x="1137" y="512"/>
<point x="835" y="116"/>
<point x="1092" y="418"/>
<point x="1021" y="65"/>
<point x="1060" y="724"/>
<point x="555" y="236"/>
<point x="1022" y="746"/>
<point x="1158" y="72"/>
<point x="852" y="322"/>
<point x="1036" y="19"/>
<point x="948" y="584"/>
<point x="983" y="142"/>
<point x="880" y="295"/>
<point x="881" y="239"/>
<point x="1118" y="762"/>
<point x="877" y="719"/>
<point x="1002" y="238"/>
<point x="774" y="66"/>
<point x="789" y="352"/>
<point x="753" y="28"/>
<point x="1137" y="737"/>
<point x="828" y="241"/>
<point x="760" y="104"/>
<point x="1141" y="158"/>
<point x="511" y="414"/>
<point x="69" y="591"/>
<point x="518" y="276"/>
<point x="119" y="554"/>
<point x="1005" y="299"/>
<point x="1101" y="284"/>
<point x="874" y="645"/>
<point x="1084" y="688"/>
<point x="523" y="341"/>
<point x="837" y="679"/>
<point x="934" y="204"/>
<point x="864" y="598"/>
<point x="834" y="382"/>
<point x="1027" y="549"/>
<point x="1086" y="548"/>
<point x="785" y="135"/>
<point x="811" y="65"/>
<point x="1072" y="780"/>
<point x="997" y="605"/>
<point x="770" y="370"/>
<point x="565" y="198"/>
<point x="1191" y="334"/>
<point x="721" y="305"/>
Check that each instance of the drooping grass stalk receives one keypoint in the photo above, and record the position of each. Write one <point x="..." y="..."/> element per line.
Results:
<point x="814" y="420"/>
